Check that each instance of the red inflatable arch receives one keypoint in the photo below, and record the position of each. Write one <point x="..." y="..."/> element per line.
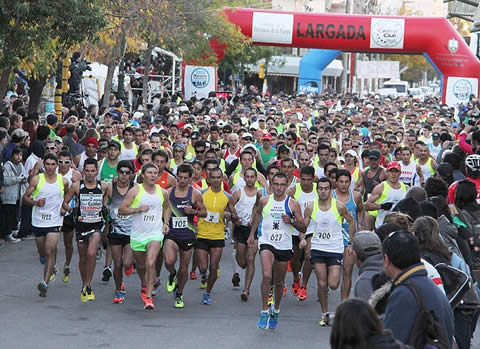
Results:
<point x="434" y="37"/>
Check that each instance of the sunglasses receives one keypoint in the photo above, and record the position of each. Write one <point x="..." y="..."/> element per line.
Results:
<point x="66" y="162"/>
<point x="50" y="148"/>
<point x="199" y="151"/>
<point x="125" y="172"/>
<point x="215" y="149"/>
<point x="247" y="139"/>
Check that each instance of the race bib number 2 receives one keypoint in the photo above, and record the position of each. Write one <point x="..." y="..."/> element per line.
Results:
<point x="179" y="222"/>
<point x="212" y="217"/>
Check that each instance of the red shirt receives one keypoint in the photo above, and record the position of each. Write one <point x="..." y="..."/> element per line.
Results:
<point x="453" y="187"/>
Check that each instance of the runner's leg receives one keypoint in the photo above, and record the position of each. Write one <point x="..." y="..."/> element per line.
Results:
<point x="280" y="270"/>
<point x="182" y="276"/>
<point x="215" y="256"/>
<point x="348" y="262"/>
<point x="51" y="241"/>
<point x="266" y="259"/>
<point x="151" y="258"/>
<point x="92" y="257"/>
<point x="322" y="291"/>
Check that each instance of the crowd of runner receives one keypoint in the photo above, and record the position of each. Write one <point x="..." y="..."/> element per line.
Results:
<point x="310" y="183"/>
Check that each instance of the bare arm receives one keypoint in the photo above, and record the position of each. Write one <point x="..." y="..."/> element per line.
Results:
<point x="201" y="210"/>
<point x="167" y="212"/>
<point x="342" y="209"/>
<point x="28" y="193"/>
<point x="125" y="209"/>
<point x="69" y="195"/>
<point x="371" y="204"/>
<point x="360" y="210"/>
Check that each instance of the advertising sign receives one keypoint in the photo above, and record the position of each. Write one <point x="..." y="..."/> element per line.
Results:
<point x="459" y="90"/>
<point x="199" y="81"/>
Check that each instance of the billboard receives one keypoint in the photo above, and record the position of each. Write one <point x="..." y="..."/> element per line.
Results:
<point x="199" y="81"/>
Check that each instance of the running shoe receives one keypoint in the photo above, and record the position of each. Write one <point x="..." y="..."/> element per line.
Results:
<point x="236" y="280"/>
<point x="43" y="288"/>
<point x="323" y="322"/>
<point x="295" y="287"/>
<point x="11" y="238"/>
<point x="143" y="293"/>
<point x="156" y="285"/>
<point x="193" y="275"/>
<point x="123" y="288"/>
<point x="119" y="297"/>
<point x="66" y="275"/>
<point x="83" y="295"/>
<point x="148" y="304"/>
<point x="128" y="271"/>
<point x="263" y="320"/>
<point x="206" y="299"/>
<point x="244" y="295"/>
<point x="179" y="301"/>
<point x="99" y="253"/>
<point x="107" y="273"/>
<point x="302" y="293"/>
<point x="284" y="289"/>
<point x="273" y="319"/>
<point x="203" y="282"/>
<point x="172" y="278"/>
<point x="90" y="294"/>
<point x="289" y="267"/>
<point x="43" y="260"/>
<point x="53" y="276"/>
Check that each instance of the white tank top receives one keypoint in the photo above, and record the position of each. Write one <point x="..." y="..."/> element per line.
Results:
<point x="244" y="207"/>
<point x="127" y="154"/>
<point x="328" y="235"/>
<point x="272" y="230"/>
<point x="305" y="199"/>
<point x="426" y="170"/>
<point x="68" y="177"/>
<point x="408" y="173"/>
<point x="394" y="195"/>
<point x="49" y="215"/>
<point x="147" y="225"/>
<point x="239" y="183"/>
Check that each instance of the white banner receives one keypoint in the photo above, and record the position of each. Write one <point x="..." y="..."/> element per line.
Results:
<point x="378" y="70"/>
<point x="459" y="90"/>
<point x="273" y="28"/>
<point x="387" y="33"/>
<point x="199" y="81"/>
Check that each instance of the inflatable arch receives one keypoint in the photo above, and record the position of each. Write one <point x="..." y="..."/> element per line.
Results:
<point x="434" y="37"/>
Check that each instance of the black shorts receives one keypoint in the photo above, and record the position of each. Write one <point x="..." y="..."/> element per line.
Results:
<point x="328" y="258"/>
<point x="206" y="244"/>
<point x="280" y="255"/>
<point x="184" y="245"/>
<point x="68" y="224"/>
<point x="39" y="232"/>
<point x="296" y="239"/>
<point x="241" y="234"/>
<point x="84" y="237"/>
<point x="118" y="239"/>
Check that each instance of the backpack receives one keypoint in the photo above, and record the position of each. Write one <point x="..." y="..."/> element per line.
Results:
<point x="427" y="332"/>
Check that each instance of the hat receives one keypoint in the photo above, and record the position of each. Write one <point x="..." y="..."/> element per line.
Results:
<point x="58" y="139"/>
<point x="114" y="144"/>
<point x="195" y="135"/>
<point x="341" y="159"/>
<point x="212" y="111"/>
<point x="137" y="115"/>
<point x="375" y="154"/>
<point x="220" y="123"/>
<point x="267" y="136"/>
<point x="52" y="119"/>
<point x="366" y="244"/>
<point x="394" y="165"/>
<point x="188" y="126"/>
<point x="179" y="145"/>
<point x="245" y="147"/>
<point x="103" y="147"/>
<point x="261" y="118"/>
<point x="436" y="135"/>
<point x="93" y="141"/>
<point x="18" y="135"/>
<point x="352" y="152"/>
<point x="247" y="134"/>
<point x="445" y="170"/>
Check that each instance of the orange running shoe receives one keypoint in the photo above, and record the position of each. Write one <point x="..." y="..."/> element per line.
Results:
<point x="302" y="293"/>
<point x="284" y="289"/>
<point x="193" y="275"/>
<point x="128" y="271"/>
<point x="295" y="287"/>
<point x="143" y="293"/>
<point x="289" y="267"/>
<point x="148" y="304"/>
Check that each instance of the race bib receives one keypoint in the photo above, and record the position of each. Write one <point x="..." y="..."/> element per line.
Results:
<point x="276" y="237"/>
<point x="117" y="216"/>
<point x="212" y="217"/>
<point x="46" y="217"/>
<point x="323" y="235"/>
<point x="179" y="222"/>
<point x="150" y="218"/>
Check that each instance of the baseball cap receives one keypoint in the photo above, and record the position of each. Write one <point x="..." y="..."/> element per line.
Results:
<point x="394" y="166"/>
<point x="179" y="145"/>
<point x="103" y="147"/>
<point x="267" y="136"/>
<point x="245" y="147"/>
<point x="93" y="141"/>
<point x="51" y="119"/>
<point x="436" y="135"/>
<point x="114" y="144"/>
<point x="351" y="152"/>
<point x="195" y="135"/>
<point x="366" y="244"/>
<point x="375" y="154"/>
<point x="247" y="134"/>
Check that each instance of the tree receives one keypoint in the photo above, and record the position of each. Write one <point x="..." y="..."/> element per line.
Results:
<point x="33" y="34"/>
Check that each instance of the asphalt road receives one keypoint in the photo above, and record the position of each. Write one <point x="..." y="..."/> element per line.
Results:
<point x="62" y="321"/>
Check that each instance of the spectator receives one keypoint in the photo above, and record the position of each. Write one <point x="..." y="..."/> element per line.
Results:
<point x="402" y="264"/>
<point x="368" y="249"/>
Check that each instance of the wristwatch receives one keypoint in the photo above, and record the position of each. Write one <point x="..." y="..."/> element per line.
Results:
<point x="292" y="220"/>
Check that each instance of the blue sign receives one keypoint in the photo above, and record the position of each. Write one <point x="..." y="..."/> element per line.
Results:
<point x="200" y="78"/>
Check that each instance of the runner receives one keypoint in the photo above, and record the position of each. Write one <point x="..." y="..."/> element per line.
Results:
<point x="411" y="172"/>
<point x="120" y="227"/>
<point x="45" y="193"/>
<point x="327" y="246"/>
<point x="387" y="194"/>
<point x="241" y="206"/>
<point x="185" y="203"/>
<point x="211" y="231"/>
<point x="287" y="166"/>
<point x="66" y="170"/>
<point x="305" y="193"/>
<point x="425" y="161"/>
<point x="91" y="195"/>
<point x="128" y="149"/>
<point x="279" y="215"/>
<point x="236" y="180"/>
<point x="148" y="205"/>
<point x="353" y="202"/>
<point x="91" y="147"/>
